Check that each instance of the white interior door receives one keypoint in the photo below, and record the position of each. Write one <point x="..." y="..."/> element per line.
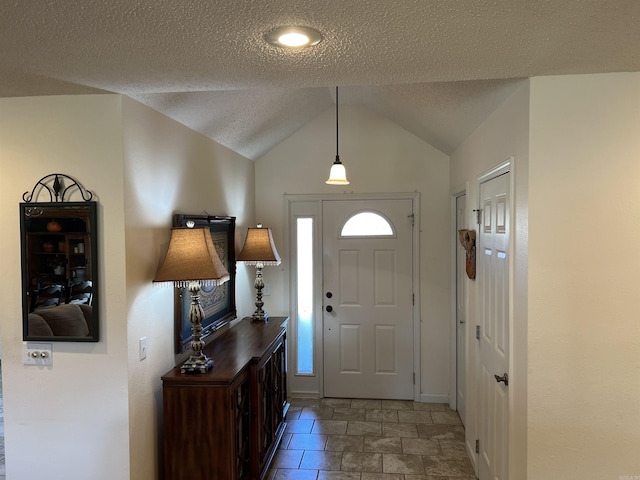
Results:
<point x="368" y="301"/>
<point x="461" y="295"/>
<point x="493" y="284"/>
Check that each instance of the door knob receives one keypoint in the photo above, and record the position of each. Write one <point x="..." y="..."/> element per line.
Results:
<point x="329" y="294"/>
<point x="329" y="308"/>
<point x="504" y="378"/>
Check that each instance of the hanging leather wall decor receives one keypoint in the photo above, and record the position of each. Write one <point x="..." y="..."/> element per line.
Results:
<point x="468" y="241"/>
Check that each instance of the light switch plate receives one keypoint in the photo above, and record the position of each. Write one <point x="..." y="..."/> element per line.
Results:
<point x="143" y="348"/>
<point x="37" y="354"/>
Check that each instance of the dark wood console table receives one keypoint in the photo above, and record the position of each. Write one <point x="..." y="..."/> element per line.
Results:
<point x="228" y="423"/>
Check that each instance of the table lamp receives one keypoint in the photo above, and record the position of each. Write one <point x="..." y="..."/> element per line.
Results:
<point x="192" y="262"/>
<point x="259" y="250"/>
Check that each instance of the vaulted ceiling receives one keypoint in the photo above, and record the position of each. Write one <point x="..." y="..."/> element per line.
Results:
<point x="435" y="67"/>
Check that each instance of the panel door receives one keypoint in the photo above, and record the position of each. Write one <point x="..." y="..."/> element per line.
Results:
<point x="493" y="284"/>
<point x="368" y="287"/>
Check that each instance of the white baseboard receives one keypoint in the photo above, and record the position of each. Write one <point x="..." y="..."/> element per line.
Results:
<point x="424" y="398"/>
<point x="302" y="394"/>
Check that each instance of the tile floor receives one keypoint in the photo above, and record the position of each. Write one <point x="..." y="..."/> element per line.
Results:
<point x="351" y="439"/>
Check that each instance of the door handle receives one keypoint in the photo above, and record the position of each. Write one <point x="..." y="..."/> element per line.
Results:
<point x="504" y="378"/>
<point x="329" y="308"/>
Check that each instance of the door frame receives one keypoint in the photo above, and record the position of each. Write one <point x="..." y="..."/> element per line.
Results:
<point x="506" y="166"/>
<point x="453" y="354"/>
<point x="518" y="270"/>
<point x="313" y="386"/>
<point x="487" y="388"/>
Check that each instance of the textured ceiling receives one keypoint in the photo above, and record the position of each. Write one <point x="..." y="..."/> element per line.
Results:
<point x="435" y="67"/>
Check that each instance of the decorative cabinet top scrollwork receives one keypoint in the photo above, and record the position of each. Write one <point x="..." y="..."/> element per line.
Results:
<point x="54" y="185"/>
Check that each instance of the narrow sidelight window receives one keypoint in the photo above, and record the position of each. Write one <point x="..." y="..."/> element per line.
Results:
<point x="304" y="235"/>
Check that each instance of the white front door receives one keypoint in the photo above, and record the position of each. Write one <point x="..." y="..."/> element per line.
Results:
<point x="368" y="300"/>
<point x="493" y="283"/>
<point x="461" y="289"/>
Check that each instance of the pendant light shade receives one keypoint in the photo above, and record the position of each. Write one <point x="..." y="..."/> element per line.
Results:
<point x="337" y="174"/>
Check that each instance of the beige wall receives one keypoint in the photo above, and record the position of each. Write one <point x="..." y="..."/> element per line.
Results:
<point x="502" y="136"/>
<point x="95" y="413"/>
<point x="575" y="373"/>
<point x="74" y="413"/>
<point x="168" y="169"/>
<point x="380" y="157"/>
<point x="584" y="328"/>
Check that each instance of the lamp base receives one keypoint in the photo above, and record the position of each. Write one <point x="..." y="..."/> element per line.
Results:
<point x="197" y="365"/>
<point x="198" y="362"/>
<point x="260" y="317"/>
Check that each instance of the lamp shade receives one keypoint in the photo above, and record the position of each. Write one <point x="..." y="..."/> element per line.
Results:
<point x="337" y="174"/>
<point x="191" y="258"/>
<point x="259" y="247"/>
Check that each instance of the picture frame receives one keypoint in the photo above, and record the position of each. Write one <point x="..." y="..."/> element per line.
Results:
<point x="218" y="303"/>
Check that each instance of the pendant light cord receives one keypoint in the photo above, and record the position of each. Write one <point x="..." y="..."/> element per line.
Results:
<point x="337" y="150"/>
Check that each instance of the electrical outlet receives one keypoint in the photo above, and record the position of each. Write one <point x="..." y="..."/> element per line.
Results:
<point x="143" y="348"/>
<point x="39" y="354"/>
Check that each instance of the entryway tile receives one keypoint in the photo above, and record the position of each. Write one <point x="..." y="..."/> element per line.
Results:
<point x="453" y="448"/>
<point x="291" y="474"/>
<point x="338" y="475"/>
<point x="287" y="459"/>
<point x="380" y="476"/>
<point x="299" y="426"/>
<point x="380" y="415"/>
<point x="344" y="413"/>
<point x="330" y="427"/>
<point x="364" y="428"/>
<point x="305" y="441"/>
<point x="382" y="444"/>
<point x="397" y="404"/>
<point x="449" y="418"/>
<point x="361" y="462"/>
<point x="335" y="402"/>
<point x="316" y="413"/>
<point x="344" y="443"/>
<point x="369" y="439"/>
<point x="447" y="466"/>
<point x="441" y="432"/>
<point x="430" y="407"/>
<point x="399" y="430"/>
<point x="363" y="403"/>
<point x="321" y="460"/>
<point x="406" y="464"/>
<point x="415" y="416"/>
<point x="420" y="446"/>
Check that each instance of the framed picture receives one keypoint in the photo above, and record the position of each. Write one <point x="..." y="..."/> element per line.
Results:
<point x="218" y="303"/>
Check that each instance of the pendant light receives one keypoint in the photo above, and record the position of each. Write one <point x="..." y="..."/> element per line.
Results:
<point x="338" y="174"/>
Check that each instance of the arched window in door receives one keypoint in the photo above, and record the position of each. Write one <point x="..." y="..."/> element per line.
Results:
<point x="367" y="224"/>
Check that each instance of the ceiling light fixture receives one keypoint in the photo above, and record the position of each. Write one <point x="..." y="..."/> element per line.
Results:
<point x="338" y="174"/>
<point x="293" y="37"/>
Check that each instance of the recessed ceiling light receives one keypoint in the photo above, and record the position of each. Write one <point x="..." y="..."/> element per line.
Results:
<point x="293" y="37"/>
